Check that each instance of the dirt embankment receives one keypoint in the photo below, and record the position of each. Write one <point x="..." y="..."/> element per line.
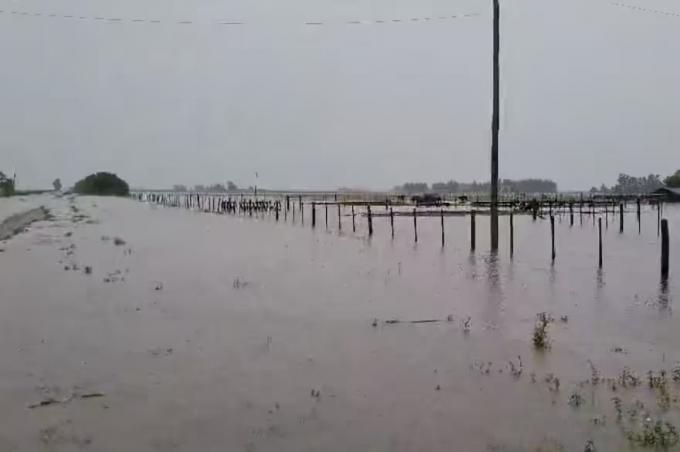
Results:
<point x="16" y="223"/>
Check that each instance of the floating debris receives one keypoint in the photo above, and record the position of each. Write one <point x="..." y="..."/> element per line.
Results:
<point x="118" y="241"/>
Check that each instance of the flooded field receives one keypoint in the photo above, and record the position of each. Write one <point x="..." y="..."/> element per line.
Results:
<point x="126" y="326"/>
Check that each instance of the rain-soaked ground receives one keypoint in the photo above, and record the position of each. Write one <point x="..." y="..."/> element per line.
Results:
<point x="124" y="326"/>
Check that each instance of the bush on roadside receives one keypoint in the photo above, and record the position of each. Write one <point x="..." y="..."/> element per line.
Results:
<point x="102" y="184"/>
<point x="6" y="185"/>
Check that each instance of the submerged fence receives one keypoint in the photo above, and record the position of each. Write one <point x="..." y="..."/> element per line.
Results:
<point x="368" y="206"/>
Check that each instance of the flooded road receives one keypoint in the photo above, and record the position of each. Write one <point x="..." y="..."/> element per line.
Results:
<point x="212" y="332"/>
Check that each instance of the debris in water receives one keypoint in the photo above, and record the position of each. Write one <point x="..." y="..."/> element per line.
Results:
<point x="87" y="270"/>
<point x="375" y="323"/>
<point x="118" y="241"/>
<point x="564" y="319"/>
<point x="68" y="234"/>
<point x="540" y="336"/>
<point x="466" y="324"/>
<point x="438" y="388"/>
<point x="159" y="286"/>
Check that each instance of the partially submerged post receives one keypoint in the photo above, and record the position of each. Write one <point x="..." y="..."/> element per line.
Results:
<point x="621" y="218"/>
<point x="571" y="214"/>
<point x="325" y="204"/>
<point x="392" y="221"/>
<point x="599" y="227"/>
<point x="639" y="219"/>
<point x="370" y="220"/>
<point x="473" y="231"/>
<point x="495" y="125"/>
<point x="415" y="225"/>
<point x="354" y="225"/>
<point x="664" y="249"/>
<point x="512" y="234"/>
<point x="552" y="235"/>
<point x="313" y="215"/>
<point x="339" y="219"/>
<point x="441" y="213"/>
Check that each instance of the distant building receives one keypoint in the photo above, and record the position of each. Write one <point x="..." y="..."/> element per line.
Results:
<point x="668" y="194"/>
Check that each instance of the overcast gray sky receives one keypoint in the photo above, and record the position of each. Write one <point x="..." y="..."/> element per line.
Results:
<point x="590" y="89"/>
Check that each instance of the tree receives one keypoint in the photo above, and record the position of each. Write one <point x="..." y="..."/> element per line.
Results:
<point x="674" y="180"/>
<point x="102" y="184"/>
<point x="56" y="184"/>
<point x="216" y="188"/>
<point x="631" y="185"/>
<point x="179" y="187"/>
<point x="6" y="185"/>
<point x="231" y="186"/>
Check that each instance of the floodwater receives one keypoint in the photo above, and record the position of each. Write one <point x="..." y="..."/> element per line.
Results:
<point x="213" y="332"/>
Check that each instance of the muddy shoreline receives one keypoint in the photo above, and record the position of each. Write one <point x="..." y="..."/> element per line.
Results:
<point x="16" y="223"/>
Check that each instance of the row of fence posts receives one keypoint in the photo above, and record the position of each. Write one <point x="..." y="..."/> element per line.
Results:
<point x="218" y="205"/>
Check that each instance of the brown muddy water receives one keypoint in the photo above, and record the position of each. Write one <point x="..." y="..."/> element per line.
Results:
<point x="206" y="332"/>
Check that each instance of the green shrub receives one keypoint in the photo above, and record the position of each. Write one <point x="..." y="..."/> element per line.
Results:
<point x="102" y="184"/>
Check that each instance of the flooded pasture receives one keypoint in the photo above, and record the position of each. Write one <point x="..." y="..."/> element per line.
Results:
<point x="194" y="331"/>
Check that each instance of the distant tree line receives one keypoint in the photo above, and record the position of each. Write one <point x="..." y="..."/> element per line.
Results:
<point x="214" y="188"/>
<point x="506" y="186"/>
<point x="631" y="185"/>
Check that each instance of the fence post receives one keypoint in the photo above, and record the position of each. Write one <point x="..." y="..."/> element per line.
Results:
<point x="325" y="205"/>
<point x="512" y="234"/>
<point x="473" y="231"/>
<point x="441" y="212"/>
<point x="664" y="249"/>
<point x="621" y="218"/>
<point x="552" y="235"/>
<point x="313" y="215"/>
<point x="639" y="218"/>
<point x="370" y="220"/>
<point x="354" y="225"/>
<point x="339" y="219"/>
<point x="415" y="225"/>
<point x="392" y="221"/>
<point x="599" y="228"/>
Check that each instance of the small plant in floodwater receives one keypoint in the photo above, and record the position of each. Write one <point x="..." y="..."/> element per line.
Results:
<point x="594" y="373"/>
<point x="540" y="337"/>
<point x="590" y="446"/>
<point x="564" y="319"/>
<point x="553" y="382"/>
<point x="516" y="370"/>
<point x="628" y="378"/>
<point x="618" y="407"/>
<point x="675" y="373"/>
<point x="466" y="324"/>
<point x="576" y="399"/>
<point x="654" y="434"/>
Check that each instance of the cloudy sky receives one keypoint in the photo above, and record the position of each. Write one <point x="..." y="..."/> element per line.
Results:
<point x="590" y="89"/>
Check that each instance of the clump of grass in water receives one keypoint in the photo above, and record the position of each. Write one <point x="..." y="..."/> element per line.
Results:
<point x="659" y="434"/>
<point x="516" y="371"/>
<point x="576" y="399"/>
<point x="540" y="337"/>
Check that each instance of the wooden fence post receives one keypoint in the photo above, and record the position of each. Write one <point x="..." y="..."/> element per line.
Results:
<point x="621" y="218"/>
<point x="441" y="213"/>
<point x="313" y="215"/>
<point x="473" y="231"/>
<point x="339" y="218"/>
<point x="415" y="225"/>
<point x="599" y="227"/>
<point x="664" y="249"/>
<point x="325" y="205"/>
<point x="512" y="234"/>
<point x="392" y="221"/>
<point x="354" y="225"/>
<point x="370" y="220"/>
<point x="552" y="235"/>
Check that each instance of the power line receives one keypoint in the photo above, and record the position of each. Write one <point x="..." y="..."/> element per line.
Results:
<point x="185" y="22"/>
<point x="646" y="10"/>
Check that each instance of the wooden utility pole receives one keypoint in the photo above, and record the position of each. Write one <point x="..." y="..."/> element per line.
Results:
<point x="495" y="123"/>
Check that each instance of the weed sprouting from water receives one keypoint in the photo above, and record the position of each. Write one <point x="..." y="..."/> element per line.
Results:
<point x="540" y="337"/>
<point x="594" y="373"/>
<point x="576" y="399"/>
<point x="466" y="324"/>
<point x="516" y="370"/>
<point x="654" y="434"/>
